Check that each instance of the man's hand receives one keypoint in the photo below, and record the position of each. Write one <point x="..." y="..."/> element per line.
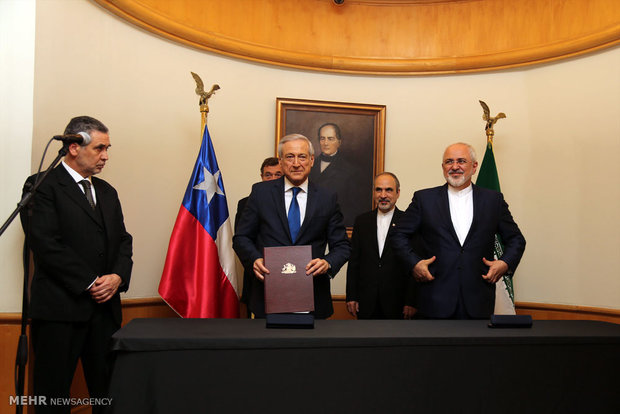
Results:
<point x="497" y="268"/>
<point x="105" y="287"/>
<point x="420" y="271"/>
<point x="317" y="267"/>
<point x="353" y="307"/>
<point x="409" y="311"/>
<point x="259" y="269"/>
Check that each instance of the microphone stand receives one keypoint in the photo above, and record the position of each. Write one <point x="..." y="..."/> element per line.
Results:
<point x="22" y="346"/>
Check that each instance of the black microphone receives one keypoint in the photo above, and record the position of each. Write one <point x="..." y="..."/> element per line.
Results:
<point x="82" y="138"/>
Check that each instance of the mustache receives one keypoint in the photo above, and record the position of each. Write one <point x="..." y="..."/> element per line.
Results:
<point x="459" y="171"/>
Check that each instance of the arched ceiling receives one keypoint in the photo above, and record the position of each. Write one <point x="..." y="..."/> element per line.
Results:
<point x="394" y="37"/>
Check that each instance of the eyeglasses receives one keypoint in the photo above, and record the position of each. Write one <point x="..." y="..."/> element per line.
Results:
<point x="290" y="158"/>
<point x="459" y="161"/>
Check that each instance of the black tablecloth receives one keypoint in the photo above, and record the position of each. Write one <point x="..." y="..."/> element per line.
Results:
<point x="230" y="366"/>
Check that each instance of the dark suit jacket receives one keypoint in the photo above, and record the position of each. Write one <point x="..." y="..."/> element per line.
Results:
<point x="340" y="177"/>
<point x="374" y="280"/>
<point x="248" y="274"/>
<point x="73" y="244"/>
<point x="457" y="267"/>
<point x="264" y="224"/>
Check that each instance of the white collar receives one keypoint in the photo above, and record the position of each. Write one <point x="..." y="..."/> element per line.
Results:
<point x="288" y="185"/>
<point x="460" y="193"/>
<point x="74" y="174"/>
<point x="387" y="215"/>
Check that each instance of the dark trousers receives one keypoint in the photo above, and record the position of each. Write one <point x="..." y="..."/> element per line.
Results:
<point x="377" y="312"/>
<point x="460" y="312"/>
<point x="57" y="347"/>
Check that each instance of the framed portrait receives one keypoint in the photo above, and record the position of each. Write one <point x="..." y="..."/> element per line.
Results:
<point x="348" y="141"/>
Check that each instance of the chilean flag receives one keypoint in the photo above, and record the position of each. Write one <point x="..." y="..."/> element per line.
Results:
<point x="199" y="279"/>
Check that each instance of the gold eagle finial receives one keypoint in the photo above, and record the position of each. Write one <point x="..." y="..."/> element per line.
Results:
<point x="200" y="91"/>
<point x="490" y="121"/>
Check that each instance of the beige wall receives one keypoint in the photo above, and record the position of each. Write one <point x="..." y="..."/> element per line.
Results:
<point x="17" y="23"/>
<point x="563" y="121"/>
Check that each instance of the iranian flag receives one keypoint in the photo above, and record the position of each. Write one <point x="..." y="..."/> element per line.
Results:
<point x="488" y="178"/>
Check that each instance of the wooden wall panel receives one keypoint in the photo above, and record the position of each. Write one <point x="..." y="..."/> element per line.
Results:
<point x="383" y="37"/>
<point x="539" y="311"/>
<point x="547" y="311"/>
<point x="10" y="327"/>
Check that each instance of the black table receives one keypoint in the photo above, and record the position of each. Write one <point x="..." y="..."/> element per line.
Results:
<point x="238" y="366"/>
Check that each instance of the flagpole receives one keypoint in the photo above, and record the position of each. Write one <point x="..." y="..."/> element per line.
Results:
<point x="199" y="276"/>
<point x="488" y="178"/>
<point x="204" y="111"/>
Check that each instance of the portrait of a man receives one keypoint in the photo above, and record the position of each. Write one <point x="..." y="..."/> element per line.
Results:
<point x="332" y="169"/>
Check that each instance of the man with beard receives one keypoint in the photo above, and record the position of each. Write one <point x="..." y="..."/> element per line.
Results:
<point x="378" y="285"/>
<point x="456" y="226"/>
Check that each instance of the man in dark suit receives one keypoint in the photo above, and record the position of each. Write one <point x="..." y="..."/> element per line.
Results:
<point x="269" y="218"/>
<point x="378" y="285"/>
<point x="456" y="224"/>
<point x="269" y="170"/>
<point x="333" y="171"/>
<point x="82" y="258"/>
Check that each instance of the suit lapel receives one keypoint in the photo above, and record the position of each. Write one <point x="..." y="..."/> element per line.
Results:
<point x="478" y="203"/>
<point x="103" y="200"/>
<point x="443" y="206"/>
<point x="311" y="206"/>
<point x="71" y="188"/>
<point x="395" y="218"/>
<point x="387" y="246"/>
<point x="372" y="233"/>
<point x="277" y="194"/>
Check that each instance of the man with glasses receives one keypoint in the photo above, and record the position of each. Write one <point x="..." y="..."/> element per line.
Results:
<point x="291" y="211"/>
<point x="456" y="225"/>
<point x="378" y="285"/>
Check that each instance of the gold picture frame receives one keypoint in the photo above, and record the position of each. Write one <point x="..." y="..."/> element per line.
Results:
<point x="362" y="133"/>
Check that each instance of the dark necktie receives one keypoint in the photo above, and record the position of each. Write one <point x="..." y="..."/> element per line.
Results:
<point x="89" y="195"/>
<point x="327" y="158"/>
<point x="293" y="215"/>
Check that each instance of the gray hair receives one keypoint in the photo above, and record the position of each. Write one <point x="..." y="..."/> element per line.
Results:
<point x="294" y="137"/>
<point x="472" y="151"/>
<point x="85" y="124"/>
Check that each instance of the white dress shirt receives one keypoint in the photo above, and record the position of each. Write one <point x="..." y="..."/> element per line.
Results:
<point x="78" y="177"/>
<point x="383" y="226"/>
<point x="461" y="210"/>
